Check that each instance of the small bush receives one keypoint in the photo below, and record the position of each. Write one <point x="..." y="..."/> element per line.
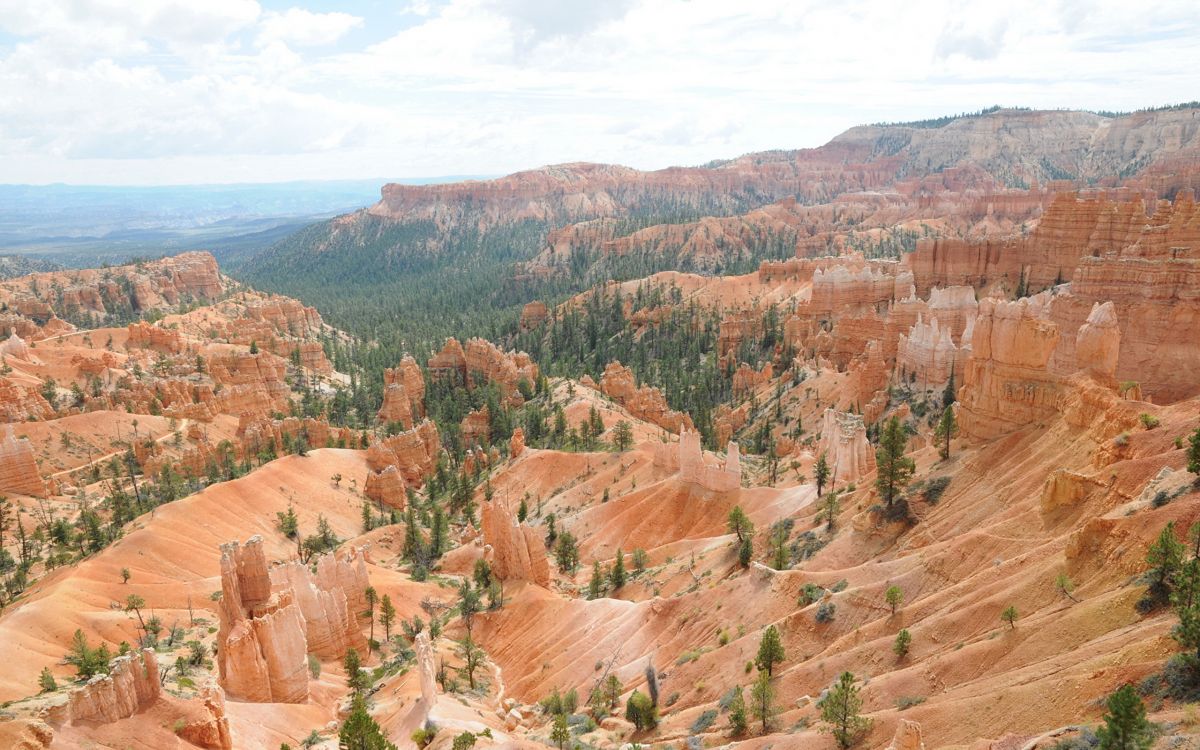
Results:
<point x="1149" y="421"/>
<point x="1179" y="680"/>
<point x="908" y="701"/>
<point x="934" y="488"/>
<point x="1086" y="740"/>
<point x="704" y="721"/>
<point x="826" y="612"/>
<point x="1121" y="440"/>
<point x="839" y="586"/>
<point x="810" y="593"/>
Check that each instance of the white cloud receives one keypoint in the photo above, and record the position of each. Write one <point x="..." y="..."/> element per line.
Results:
<point x="304" y="28"/>
<point x="180" y="91"/>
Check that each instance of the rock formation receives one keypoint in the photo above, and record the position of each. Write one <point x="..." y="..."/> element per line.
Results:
<point x="211" y="728"/>
<point x="143" y="334"/>
<point x="130" y="685"/>
<point x="645" y="403"/>
<point x="844" y="443"/>
<point x="476" y="427"/>
<point x="403" y="394"/>
<point x="18" y="467"/>
<point x="516" y="443"/>
<point x="907" y="736"/>
<point x="686" y="458"/>
<point x="482" y="361"/>
<point x="426" y="670"/>
<point x="386" y="487"/>
<point x="413" y="453"/>
<point x="927" y="354"/>
<point x="1006" y="383"/>
<point x="262" y="655"/>
<point x="20" y="404"/>
<point x="1098" y="343"/>
<point x="329" y="601"/>
<point x="533" y="315"/>
<point x="517" y="552"/>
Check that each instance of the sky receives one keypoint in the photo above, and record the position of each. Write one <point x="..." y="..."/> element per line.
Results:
<point x="223" y="91"/>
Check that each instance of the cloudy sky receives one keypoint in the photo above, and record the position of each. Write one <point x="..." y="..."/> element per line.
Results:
<point x="197" y="91"/>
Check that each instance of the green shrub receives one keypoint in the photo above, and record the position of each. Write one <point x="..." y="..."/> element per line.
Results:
<point x="704" y="721"/>
<point x="826" y="612"/>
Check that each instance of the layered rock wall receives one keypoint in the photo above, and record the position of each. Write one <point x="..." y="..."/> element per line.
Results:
<point x="516" y="551"/>
<point x="18" y="467"/>
<point x="130" y="685"/>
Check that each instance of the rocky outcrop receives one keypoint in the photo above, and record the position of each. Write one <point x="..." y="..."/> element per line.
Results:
<point x="262" y="654"/>
<point x="481" y="362"/>
<point x="14" y="346"/>
<point x="1006" y="383"/>
<point x="844" y="443"/>
<point x="143" y="334"/>
<point x="1098" y="343"/>
<point x="687" y="460"/>
<point x="517" y="552"/>
<point x="403" y="394"/>
<point x="386" y="487"/>
<point x="646" y="403"/>
<point x="907" y="736"/>
<point x="21" y="404"/>
<point x="426" y="671"/>
<point x="130" y="685"/>
<point x="927" y="354"/>
<point x="533" y="315"/>
<point x="210" y="729"/>
<point x="516" y="443"/>
<point x="250" y="383"/>
<point x="18" y="467"/>
<point x="329" y="601"/>
<point x="413" y="453"/>
<point x="476" y="427"/>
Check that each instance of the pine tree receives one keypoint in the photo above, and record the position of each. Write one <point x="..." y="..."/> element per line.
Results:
<point x="830" y="506"/>
<point x="596" y="585"/>
<point x="523" y="511"/>
<point x="762" y="700"/>
<point x="560" y="734"/>
<point x="1125" y="724"/>
<point x="372" y="599"/>
<point x="740" y="524"/>
<point x="617" y="577"/>
<point x="893" y="468"/>
<point x="360" y="731"/>
<point x="1009" y="615"/>
<point x="387" y="616"/>
<point x="840" y="708"/>
<point x="1193" y="452"/>
<point x="354" y="674"/>
<point x="770" y="650"/>
<point x="622" y="436"/>
<point x="737" y="713"/>
<point x="46" y="681"/>
<point x="821" y="473"/>
<point x="902" y="643"/>
<point x="947" y="427"/>
<point x="894" y="596"/>
<point x="745" y="552"/>
<point x="1165" y="556"/>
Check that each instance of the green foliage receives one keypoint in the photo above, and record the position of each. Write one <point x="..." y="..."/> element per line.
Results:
<point x="356" y="678"/>
<point x="46" y="681"/>
<point x="739" y="524"/>
<point x="1125" y="724"/>
<point x="946" y="429"/>
<point x="566" y="553"/>
<point x="738" y="718"/>
<point x="1193" y="452"/>
<point x="1009" y="615"/>
<point x="770" y="650"/>
<point x="640" y="711"/>
<point x="463" y="741"/>
<point x="617" y="576"/>
<point x="894" y="596"/>
<point x="821" y="473"/>
<point x="86" y="660"/>
<point x="902" y="643"/>
<point x="841" y="709"/>
<point x="762" y="700"/>
<point x="622" y="436"/>
<point x="360" y="731"/>
<point x="893" y="468"/>
<point x="560" y="733"/>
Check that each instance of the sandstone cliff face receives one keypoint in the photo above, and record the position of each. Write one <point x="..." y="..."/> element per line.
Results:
<point x="645" y="403"/>
<point x="131" y="684"/>
<point x="1006" y="383"/>
<point x="403" y="394"/>
<point x="18" y="467"/>
<point x="143" y="334"/>
<point x="330" y="601"/>
<point x="844" y="443"/>
<point x="386" y="487"/>
<point x="476" y="427"/>
<point x="516" y="552"/>
<point x="250" y="383"/>
<point x="927" y="354"/>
